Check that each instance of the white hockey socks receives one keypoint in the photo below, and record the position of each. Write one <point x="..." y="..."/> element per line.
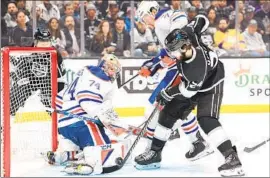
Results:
<point x="190" y="126"/>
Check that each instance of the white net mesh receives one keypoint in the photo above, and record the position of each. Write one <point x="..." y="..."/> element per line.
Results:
<point x="30" y="93"/>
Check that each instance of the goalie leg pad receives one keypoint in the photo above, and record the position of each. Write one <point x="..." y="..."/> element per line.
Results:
<point x="93" y="159"/>
<point x="111" y="152"/>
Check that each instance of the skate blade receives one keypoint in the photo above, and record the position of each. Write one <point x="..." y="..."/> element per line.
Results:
<point x="147" y="167"/>
<point x="202" y="154"/>
<point x="237" y="172"/>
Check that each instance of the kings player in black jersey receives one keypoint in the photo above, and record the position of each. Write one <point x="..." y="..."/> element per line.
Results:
<point x="31" y="73"/>
<point x="202" y="82"/>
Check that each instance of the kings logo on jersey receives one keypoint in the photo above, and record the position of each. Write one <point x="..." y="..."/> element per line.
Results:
<point x="39" y="70"/>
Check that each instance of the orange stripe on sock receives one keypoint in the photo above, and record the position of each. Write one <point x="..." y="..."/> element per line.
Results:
<point x="191" y="127"/>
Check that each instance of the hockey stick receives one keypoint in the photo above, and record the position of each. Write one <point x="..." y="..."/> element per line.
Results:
<point x="121" y="162"/>
<point x="248" y="150"/>
<point x="116" y="130"/>
<point x="75" y="116"/>
<point x="134" y="130"/>
<point x="128" y="80"/>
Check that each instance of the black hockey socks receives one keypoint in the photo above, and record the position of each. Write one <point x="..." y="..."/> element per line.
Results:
<point x="212" y="127"/>
<point x="163" y="130"/>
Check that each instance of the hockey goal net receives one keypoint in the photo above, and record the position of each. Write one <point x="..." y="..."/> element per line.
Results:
<point x="28" y="86"/>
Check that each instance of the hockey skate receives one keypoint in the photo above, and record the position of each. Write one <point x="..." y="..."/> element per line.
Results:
<point x="232" y="166"/>
<point x="148" y="160"/>
<point x="200" y="148"/>
<point x="78" y="169"/>
<point x="174" y="135"/>
<point x="50" y="157"/>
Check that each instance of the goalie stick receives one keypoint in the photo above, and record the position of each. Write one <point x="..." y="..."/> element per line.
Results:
<point x="121" y="162"/>
<point x="119" y="81"/>
<point x="248" y="150"/>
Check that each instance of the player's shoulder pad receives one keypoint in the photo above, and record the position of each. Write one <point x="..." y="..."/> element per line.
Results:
<point x="177" y="14"/>
<point x="98" y="72"/>
<point x="161" y="12"/>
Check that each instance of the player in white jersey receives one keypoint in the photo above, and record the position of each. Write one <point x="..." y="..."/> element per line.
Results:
<point x="164" y="21"/>
<point x="89" y="96"/>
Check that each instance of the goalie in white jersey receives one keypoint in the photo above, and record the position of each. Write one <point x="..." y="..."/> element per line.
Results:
<point x="164" y="21"/>
<point x="89" y="95"/>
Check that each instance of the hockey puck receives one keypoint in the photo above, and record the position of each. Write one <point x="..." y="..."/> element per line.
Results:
<point x="119" y="161"/>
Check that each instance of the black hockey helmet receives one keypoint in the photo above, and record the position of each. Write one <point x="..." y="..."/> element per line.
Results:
<point x="177" y="40"/>
<point x="42" y="35"/>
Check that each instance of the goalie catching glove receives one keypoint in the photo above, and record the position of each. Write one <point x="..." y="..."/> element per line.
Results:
<point x="109" y="118"/>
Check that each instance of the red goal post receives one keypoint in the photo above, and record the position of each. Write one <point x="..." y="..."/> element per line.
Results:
<point x="14" y="127"/>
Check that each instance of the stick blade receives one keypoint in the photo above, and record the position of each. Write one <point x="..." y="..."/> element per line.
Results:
<point x="248" y="150"/>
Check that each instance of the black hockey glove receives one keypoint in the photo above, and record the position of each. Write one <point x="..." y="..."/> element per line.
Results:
<point x="163" y="98"/>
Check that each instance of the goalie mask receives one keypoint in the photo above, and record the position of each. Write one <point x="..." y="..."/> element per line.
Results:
<point x="111" y="66"/>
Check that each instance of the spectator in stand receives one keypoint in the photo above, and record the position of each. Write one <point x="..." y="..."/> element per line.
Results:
<point x="256" y="4"/>
<point x="255" y="45"/>
<point x="144" y="41"/>
<point x="48" y="10"/>
<point x="91" y="24"/>
<point x="227" y="38"/>
<point x="102" y="6"/>
<point x="23" y="32"/>
<point x="4" y="34"/>
<point x="248" y="16"/>
<point x="69" y="11"/>
<point x="3" y="28"/>
<point x="224" y="9"/>
<point x="56" y="33"/>
<point x="121" y="39"/>
<point x="10" y="17"/>
<point x="21" y="6"/>
<point x="208" y="36"/>
<point x="112" y="13"/>
<point x="211" y="14"/>
<point x="41" y="23"/>
<point x="199" y="6"/>
<point x="239" y="25"/>
<point x="102" y="40"/>
<point x="191" y="13"/>
<point x="266" y="37"/>
<point x="127" y="19"/>
<point x="70" y="38"/>
<point x="241" y="6"/>
<point x="175" y="4"/>
<point x="263" y="16"/>
<point x="123" y="7"/>
<point x="76" y="7"/>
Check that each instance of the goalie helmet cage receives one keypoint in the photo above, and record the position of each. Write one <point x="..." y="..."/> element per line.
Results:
<point x="7" y="139"/>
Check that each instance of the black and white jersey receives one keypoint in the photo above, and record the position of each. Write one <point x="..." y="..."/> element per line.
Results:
<point x="200" y="73"/>
<point x="34" y="68"/>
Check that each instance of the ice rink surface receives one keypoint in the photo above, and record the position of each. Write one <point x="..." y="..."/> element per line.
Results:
<point x="245" y="130"/>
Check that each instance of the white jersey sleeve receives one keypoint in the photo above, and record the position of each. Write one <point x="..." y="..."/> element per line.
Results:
<point x="167" y="20"/>
<point x="178" y="19"/>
